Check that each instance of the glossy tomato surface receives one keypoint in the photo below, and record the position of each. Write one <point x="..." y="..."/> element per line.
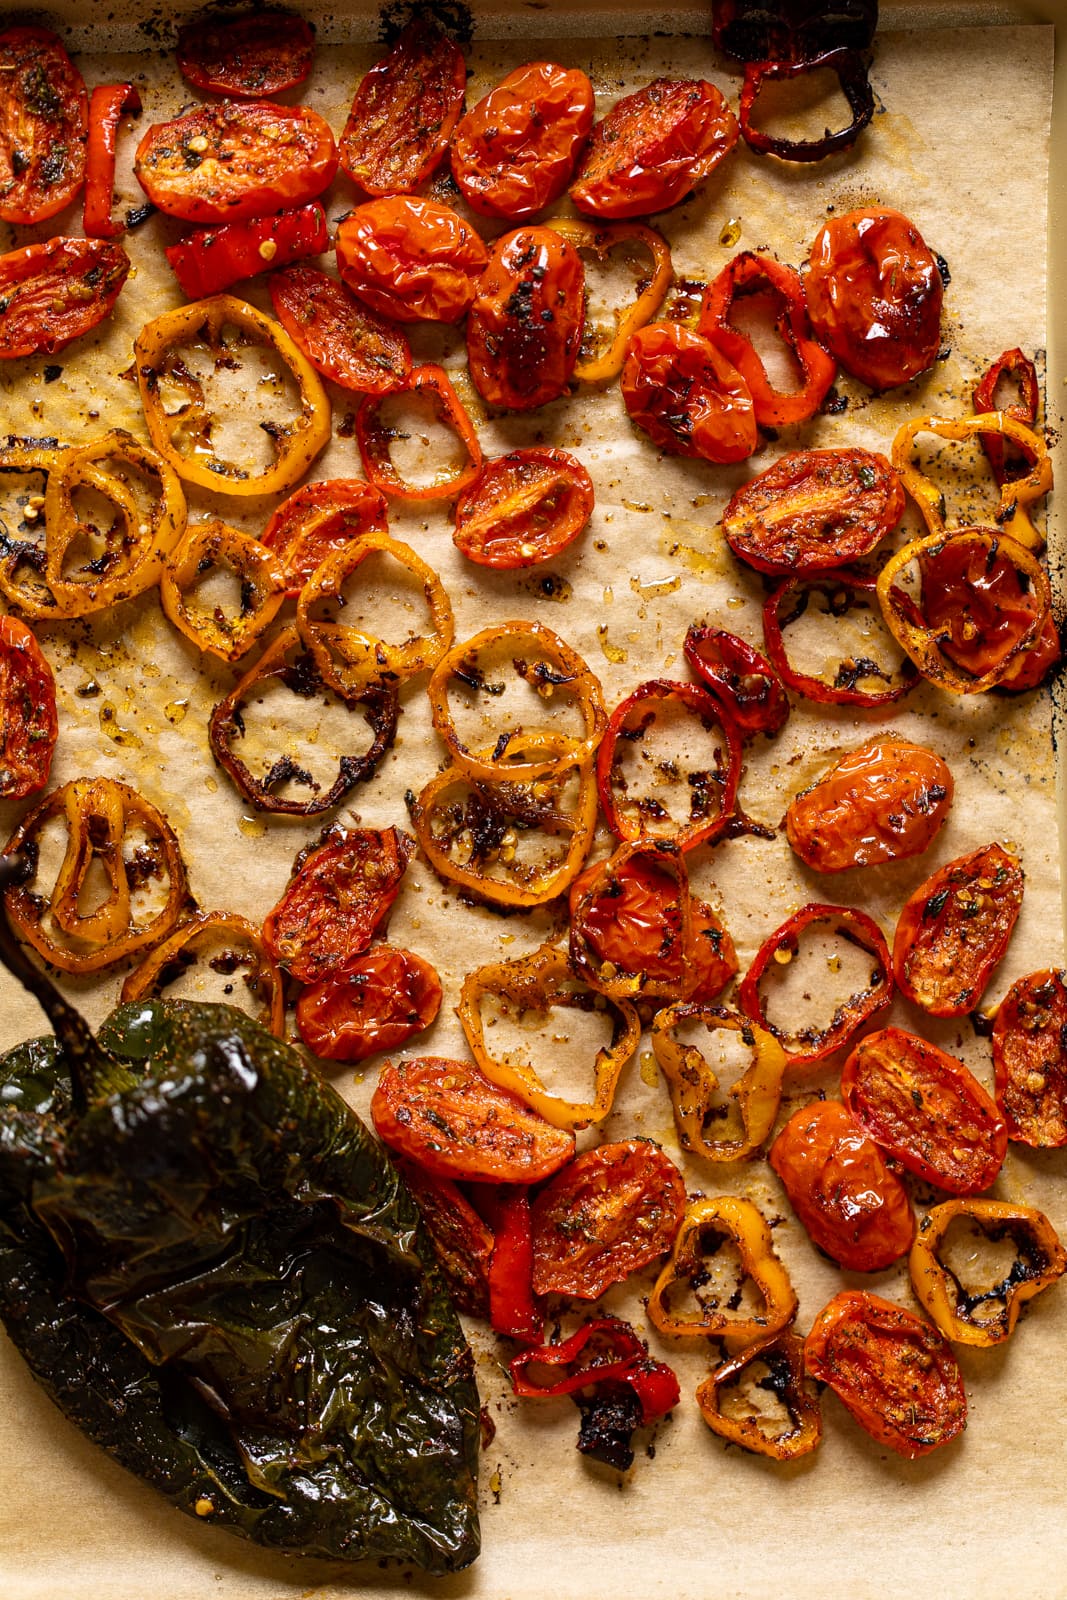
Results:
<point x="515" y="151"/>
<point x="954" y="930"/>
<point x="209" y="260"/>
<point x="235" y="159"/>
<point x="924" y="1109"/>
<point x="411" y="259"/>
<point x="853" y="1207"/>
<point x="404" y="111"/>
<point x="525" y="324"/>
<point x="526" y="507"/>
<point x="44" y="118"/>
<point x="892" y="1371"/>
<point x="382" y="999"/>
<point x="462" y="1241"/>
<point x="883" y="802"/>
<point x="681" y="391"/>
<point x="979" y="606"/>
<point x="246" y="57"/>
<point x="608" y="1213"/>
<point x="1030" y="1059"/>
<point x="813" y="510"/>
<point x="740" y="677"/>
<point x="28" y="722"/>
<point x="343" y="339"/>
<point x="319" y="519"/>
<point x="874" y="295"/>
<point x="54" y="292"/>
<point x="653" y="148"/>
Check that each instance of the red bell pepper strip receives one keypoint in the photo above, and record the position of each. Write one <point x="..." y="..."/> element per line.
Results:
<point x="1015" y="364"/>
<point x="108" y="103"/>
<point x="512" y="1307"/>
<point x="209" y="260"/>
<point x="616" y="1355"/>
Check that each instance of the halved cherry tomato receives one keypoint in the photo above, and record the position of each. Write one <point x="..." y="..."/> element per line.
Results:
<point x="978" y="604"/>
<point x="28" y="722"/>
<point x="431" y="384"/>
<point x="108" y="103"/>
<point x="319" y="519"/>
<point x="450" y="1118"/>
<point x="653" y="148"/>
<point x="44" y="111"/>
<point x="516" y="150"/>
<point x="211" y="259"/>
<point x="892" y="1371"/>
<point x="883" y="802"/>
<point x="526" y="507"/>
<point x="607" y="1214"/>
<point x="740" y="677"/>
<point x="525" y="324"/>
<point x="1030" y="1059"/>
<point x="338" y="895"/>
<point x="54" y="292"/>
<point x="404" y="111"/>
<point x="874" y="295"/>
<point x="462" y="1242"/>
<point x="686" y="396"/>
<point x="851" y="1203"/>
<point x="378" y="1002"/>
<point x="342" y="339"/>
<point x="845" y="591"/>
<point x="814" y="510"/>
<point x="262" y="53"/>
<point x="411" y="259"/>
<point x="235" y="159"/>
<point x="924" y="1109"/>
<point x="954" y="930"/>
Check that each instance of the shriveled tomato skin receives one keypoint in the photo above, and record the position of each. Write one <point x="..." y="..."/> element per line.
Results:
<point x="236" y="159"/>
<point x="681" y="391"/>
<point x="404" y="112"/>
<point x="525" y="324"/>
<point x="246" y="57"/>
<point x="874" y="295"/>
<point x="883" y="802"/>
<point x="894" y="1373"/>
<point x="813" y="510"/>
<point x="653" y="147"/>
<point x="526" y="507"/>
<point x="450" y="1118"/>
<point x="1030" y="1059"/>
<point x="44" y="122"/>
<point x="607" y="1214"/>
<point x="922" y="1107"/>
<point x="382" y="999"/>
<point x="411" y="259"/>
<point x="515" y="151"/>
<point x="462" y="1242"/>
<point x="954" y="930"/>
<point x="55" y="292"/>
<point x="344" y="340"/>
<point x="840" y="1187"/>
<point x="29" y="724"/>
<point x="979" y="608"/>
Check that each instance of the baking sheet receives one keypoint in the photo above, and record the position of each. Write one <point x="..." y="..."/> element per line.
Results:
<point x="979" y="1517"/>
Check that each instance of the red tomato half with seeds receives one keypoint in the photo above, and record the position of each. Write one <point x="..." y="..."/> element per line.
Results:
<point x="236" y="159"/>
<point x="883" y="802"/>
<point x="893" y="1372"/>
<point x="44" y="123"/>
<point x="381" y="1000"/>
<point x="411" y="259"/>
<point x="681" y="391"/>
<point x="525" y="508"/>
<point x="923" y="1108"/>
<point x="454" y="1122"/>
<point x="1030" y="1059"/>
<point x="247" y="57"/>
<point x="954" y="930"/>
<point x="608" y="1214"/>
<point x="404" y="112"/>
<point x="525" y="325"/>
<point x="653" y="148"/>
<point x="55" y="292"/>
<point x="853" y="1207"/>
<point x="28" y="722"/>
<point x="516" y="151"/>
<point x="342" y="339"/>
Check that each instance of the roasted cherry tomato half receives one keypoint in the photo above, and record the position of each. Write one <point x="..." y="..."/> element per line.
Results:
<point x="526" y="507"/>
<point x="740" y="677"/>
<point x="1030" y="1059"/>
<point x="814" y="510"/>
<point x="454" y="1122"/>
<point x="653" y="148"/>
<point x="404" y="111"/>
<point x="342" y="339"/>
<point x="874" y="294"/>
<point x="979" y="604"/>
<point x="682" y="391"/>
<point x="235" y="159"/>
<point x="607" y="1214"/>
<point x="525" y="324"/>
<point x="211" y="259"/>
<point x="318" y="520"/>
<point x="883" y="802"/>
<point x="411" y="259"/>
<point x="462" y="1241"/>
<point x="28" y="722"/>
<point x="852" y="1205"/>
<point x="954" y="930"/>
<point x="338" y="895"/>
<point x="844" y="592"/>
<point x="44" y="118"/>
<point x="52" y="293"/>
<point x="516" y="150"/>
<point x="924" y="1109"/>
<point x="382" y="999"/>
<point x="893" y="1372"/>
<point x="247" y="57"/>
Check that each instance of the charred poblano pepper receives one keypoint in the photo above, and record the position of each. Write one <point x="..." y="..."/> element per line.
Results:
<point x="214" y="1270"/>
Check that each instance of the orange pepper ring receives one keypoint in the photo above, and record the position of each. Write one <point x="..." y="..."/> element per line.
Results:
<point x="214" y="544"/>
<point x="599" y="239"/>
<point x="146" y="979"/>
<point x="692" y="1081"/>
<point x="1014" y="496"/>
<point x="783" y="1355"/>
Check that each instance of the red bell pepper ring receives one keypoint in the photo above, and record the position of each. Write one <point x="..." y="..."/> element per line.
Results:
<point x="616" y="1355"/>
<point x="208" y="260"/>
<point x="512" y="1307"/>
<point x="740" y="677"/>
<point x="108" y="103"/>
<point x="1024" y="409"/>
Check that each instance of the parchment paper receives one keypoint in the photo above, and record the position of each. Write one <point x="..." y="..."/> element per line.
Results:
<point x="692" y="1518"/>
